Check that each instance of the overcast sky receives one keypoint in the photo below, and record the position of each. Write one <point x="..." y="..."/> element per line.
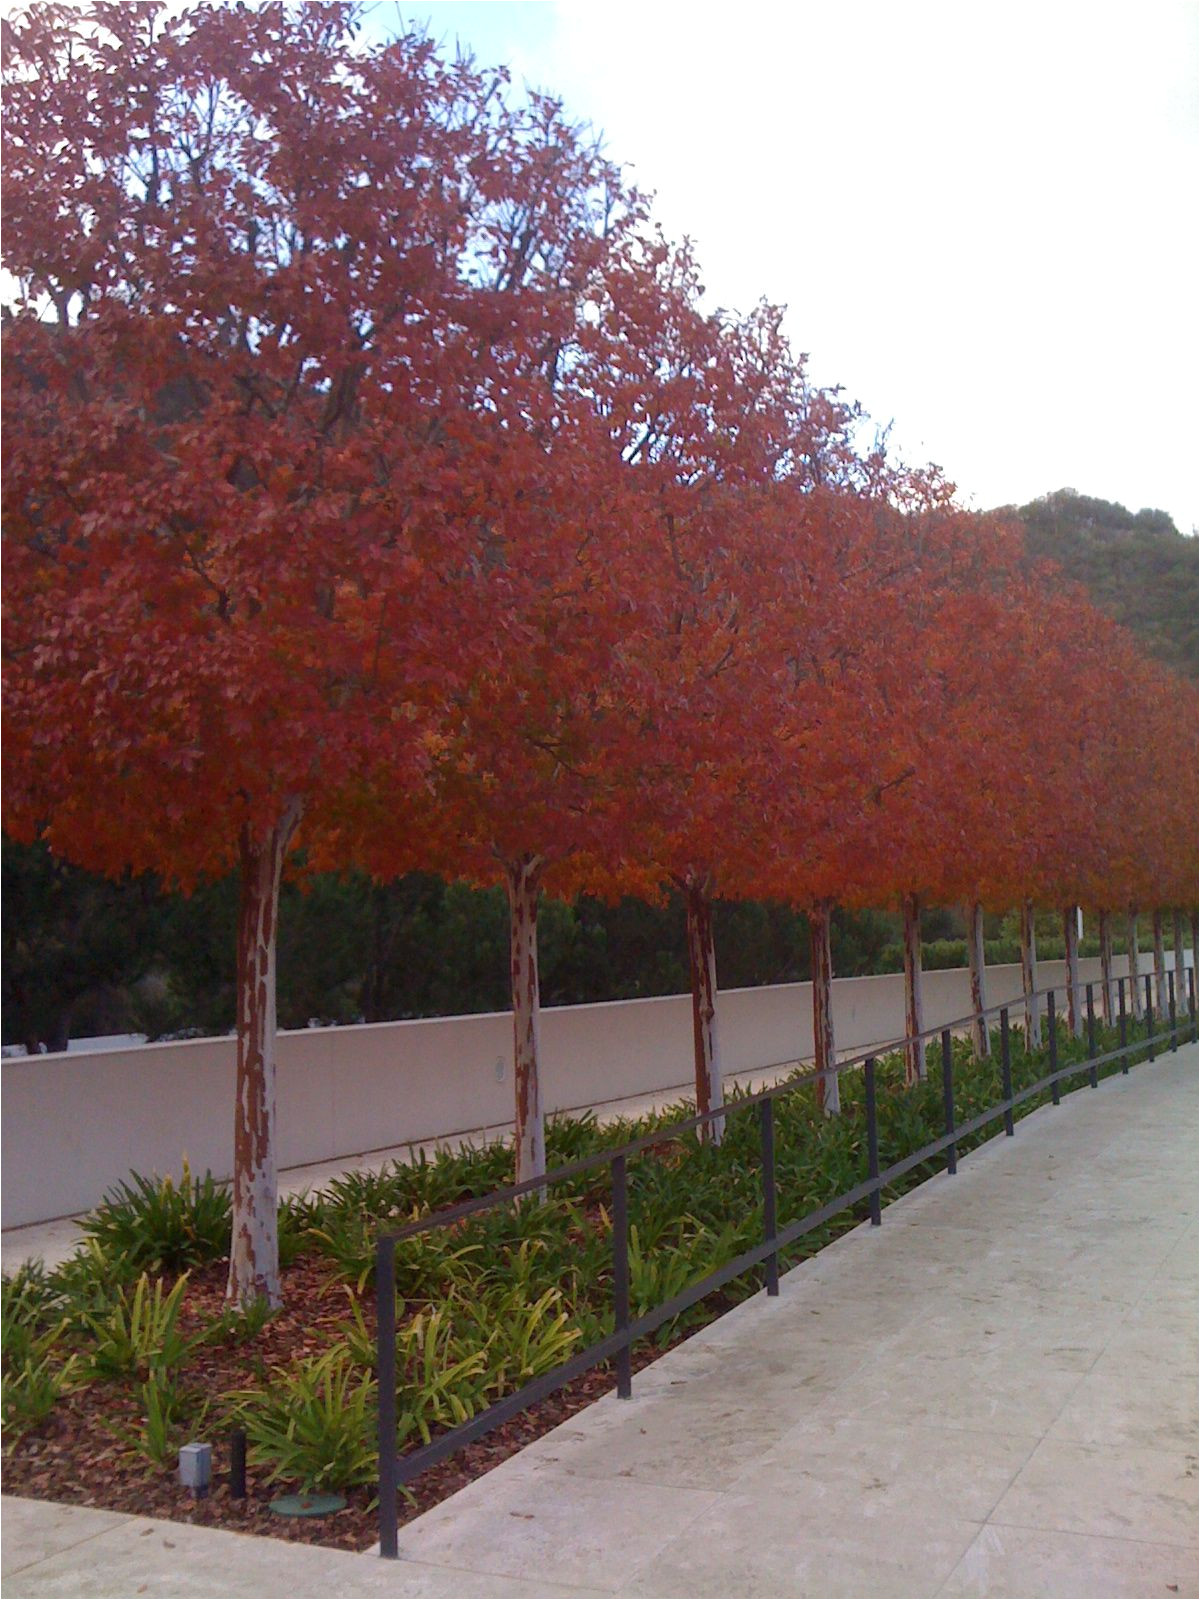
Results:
<point x="982" y="218"/>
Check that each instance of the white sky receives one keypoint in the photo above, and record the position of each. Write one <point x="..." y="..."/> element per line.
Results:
<point x="983" y="218"/>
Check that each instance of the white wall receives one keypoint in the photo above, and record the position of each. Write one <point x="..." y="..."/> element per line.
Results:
<point x="74" y="1124"/>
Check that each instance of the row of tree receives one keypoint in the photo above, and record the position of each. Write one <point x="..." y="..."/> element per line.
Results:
<point x="377" y="481"/>
<point x="83" y="955"/>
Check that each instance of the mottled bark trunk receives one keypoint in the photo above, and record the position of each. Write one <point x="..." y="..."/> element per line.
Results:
<point x="1108" y="991"/>
<point x="1181" y="993"/>
<point x="1074" y="987"/>
<point x="523" y="881"/>
<point x="1033" y="1019"/>
<point x="702" y="963"/>
<point x="829" y="1092"/>
<point x="1160" y="963"/>
<point x="1131" y="945"/>
<point x="254" y="1248"/>
<point x="914" y="1004"/>
<point x="978" y="969"/>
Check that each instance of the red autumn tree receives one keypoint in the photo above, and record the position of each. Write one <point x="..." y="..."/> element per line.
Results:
<point x="757" y="493"/>
<point x="528" y="725"/>
<point x="243" y="242"/>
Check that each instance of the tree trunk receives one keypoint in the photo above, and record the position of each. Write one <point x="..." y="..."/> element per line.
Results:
<point x="702" y="963"/>
<point x="1131" y="940"/>
<point x="1033" y="1020"/>
<point x="914" y="1004"/>
<point x="1074" y="988"/>
<point x="829" y="1091"/>
<point x="523" y="880"/>
<point x="1181" y="994"/>
<point x="980" y="1037"/>
<point x="1107" y="987"/>
<point x="1160" y="963"/>
<point x="254" y="1249"/>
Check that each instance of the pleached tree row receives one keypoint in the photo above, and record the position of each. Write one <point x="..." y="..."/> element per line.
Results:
<point x="379" y="491"/>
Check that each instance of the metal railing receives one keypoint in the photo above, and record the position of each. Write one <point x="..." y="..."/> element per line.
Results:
<point x="396" y="1469"/>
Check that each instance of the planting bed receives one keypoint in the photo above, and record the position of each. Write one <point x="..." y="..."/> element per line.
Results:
<point x="127" y="1351"/>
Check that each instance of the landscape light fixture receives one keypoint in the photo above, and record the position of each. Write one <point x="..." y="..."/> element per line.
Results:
<point x="195" y="1468"/>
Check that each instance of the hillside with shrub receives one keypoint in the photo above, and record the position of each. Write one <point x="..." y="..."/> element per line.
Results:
<point x="1136" y="566"/>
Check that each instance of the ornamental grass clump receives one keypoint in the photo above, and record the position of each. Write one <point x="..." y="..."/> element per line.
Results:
<point x="313" y="1424"/>
<point x="160" y="1225"/>
<point x="35" y="1367"/>
<point x="138" y="1336"/>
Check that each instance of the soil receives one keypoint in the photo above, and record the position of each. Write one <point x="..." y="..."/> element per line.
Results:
<point x="80" y="1457"/>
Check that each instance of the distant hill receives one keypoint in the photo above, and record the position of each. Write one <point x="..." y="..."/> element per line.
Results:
<point x="1137" y="566"/>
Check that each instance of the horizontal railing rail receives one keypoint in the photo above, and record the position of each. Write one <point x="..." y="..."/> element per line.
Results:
<point x="395" y="1469"/>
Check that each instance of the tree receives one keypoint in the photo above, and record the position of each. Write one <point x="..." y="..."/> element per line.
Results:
<point x="242" y="240"/>
<point x="731" y="484"/>
<point x="526" y="732"/>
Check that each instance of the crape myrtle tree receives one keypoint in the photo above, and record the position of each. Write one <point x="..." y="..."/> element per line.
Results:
<point x="1074" y="801"/>
<point x="725" y="470"/>
<point x="1077" y="829"/>
<point x="239" y="239"/>
<point x="841" y="625"/>
<point x="1024" y="818"/>
<point x="1152" y="850"/>
<point x="947" y="608"/>
<point x="529" y="731"/>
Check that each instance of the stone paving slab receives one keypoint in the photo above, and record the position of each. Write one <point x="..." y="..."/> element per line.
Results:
<point x="67" y="1551"/>
<point x="992" y="1394"/>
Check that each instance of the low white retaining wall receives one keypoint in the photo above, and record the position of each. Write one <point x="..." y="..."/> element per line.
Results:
<point x="74" y="1124"/>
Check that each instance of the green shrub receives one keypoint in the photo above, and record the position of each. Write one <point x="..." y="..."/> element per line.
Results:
<point x="520" y="1338"/>
<point x="313" y="1424"/>
<point x="137" y="1336"/>
<point x="440" y="1380"/>
<point x="299" y="1215"/>
<point x="159" y="1225"/>
<point x="33" y="1383"/>
<point x="441" y="1365"/>
<point x="168" y="1412"/>
<point x="36" y="1370"/>
<point x="29" y="1307"/>
<point x="657" y="1275"/>
<point x="90" y="1281"/>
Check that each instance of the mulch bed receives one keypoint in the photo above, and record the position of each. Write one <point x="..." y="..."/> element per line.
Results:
<point x="78" y="1457"/>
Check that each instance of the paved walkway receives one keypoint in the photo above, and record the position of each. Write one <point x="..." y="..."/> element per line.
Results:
<point x="992" y="1394"/>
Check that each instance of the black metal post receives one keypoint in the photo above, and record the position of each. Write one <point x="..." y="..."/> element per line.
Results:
<point x="1091" y="1033"/>
<point x="1171" y="1009"/>
<point x="237" y="1464"/>
<point x="385" y="1368"/>
<point x="1052" y="1029"/>
<point x="1150" y="1017"/>
<point x="872" y="1138"/>
<point x="620" y="1245"/>
<point x="948" y="1099"/>
<point x="1006" y="1072"/>
<point x="766" y="1113"/>
<point x="1192" y="998"/>
<point x="1123" y="1023"/>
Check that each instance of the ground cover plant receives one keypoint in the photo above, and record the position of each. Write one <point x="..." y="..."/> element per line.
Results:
<point x="109" y="1364"/>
